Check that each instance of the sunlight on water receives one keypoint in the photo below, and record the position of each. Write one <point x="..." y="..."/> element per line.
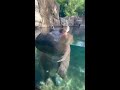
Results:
<point x="79" y="43"/>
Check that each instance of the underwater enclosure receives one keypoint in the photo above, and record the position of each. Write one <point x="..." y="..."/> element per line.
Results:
<point x="76" y="70"/>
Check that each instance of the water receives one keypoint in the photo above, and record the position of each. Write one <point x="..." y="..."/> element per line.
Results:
<point x="76" y="71"/>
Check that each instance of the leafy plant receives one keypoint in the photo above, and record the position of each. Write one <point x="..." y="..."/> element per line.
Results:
<point x="71" y="7"/>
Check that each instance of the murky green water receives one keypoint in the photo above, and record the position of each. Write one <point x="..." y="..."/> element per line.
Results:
<point x="76" y="71"/>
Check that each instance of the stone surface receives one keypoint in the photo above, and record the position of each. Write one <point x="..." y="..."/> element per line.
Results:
<point x="46" y="13"/>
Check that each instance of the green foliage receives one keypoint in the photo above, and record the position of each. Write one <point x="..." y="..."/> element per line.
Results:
<point x="81" y="9"/>
<point x="62" y="7"/>
<point x="71" y="7"/>
<point x="61" y="1"/>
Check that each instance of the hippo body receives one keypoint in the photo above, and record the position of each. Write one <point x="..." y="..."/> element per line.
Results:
<point x="49" y="44"/>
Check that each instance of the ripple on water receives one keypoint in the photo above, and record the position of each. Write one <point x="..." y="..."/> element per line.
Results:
<point x="79" y="43"/>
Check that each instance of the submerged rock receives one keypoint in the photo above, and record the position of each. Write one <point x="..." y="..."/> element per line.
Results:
<point x="49" y="82"/>
<point x="58" y="80"/>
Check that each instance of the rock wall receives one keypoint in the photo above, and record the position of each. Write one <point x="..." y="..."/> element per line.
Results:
<point x="73" y="20"/>
<point x="46" y="13"/>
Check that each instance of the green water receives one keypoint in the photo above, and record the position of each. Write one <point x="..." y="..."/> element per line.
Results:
<point x="76" y="70"/>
